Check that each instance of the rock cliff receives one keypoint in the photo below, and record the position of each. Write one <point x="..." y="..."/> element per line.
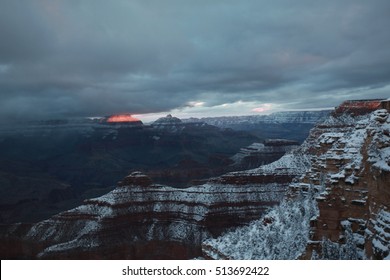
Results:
<point x="348" y="184"/>
<point x="354" y="163"/>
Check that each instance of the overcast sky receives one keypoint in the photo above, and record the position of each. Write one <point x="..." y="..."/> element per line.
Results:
<point x="97" y="57"/>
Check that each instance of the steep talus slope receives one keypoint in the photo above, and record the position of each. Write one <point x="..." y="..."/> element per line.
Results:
<point x="340" y="206"/>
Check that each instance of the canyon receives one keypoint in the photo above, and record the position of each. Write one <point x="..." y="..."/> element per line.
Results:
<point x="328" y="198"/>
<point x="53" y="165"/>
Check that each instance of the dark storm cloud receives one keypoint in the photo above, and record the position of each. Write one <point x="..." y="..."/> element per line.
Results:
<point x="80" y="58"/>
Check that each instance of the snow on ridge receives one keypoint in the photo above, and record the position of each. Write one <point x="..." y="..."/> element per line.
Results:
<point x="281" y="233"/>
<point x="257" y="148"/>
<point x="191" y="204"/>
<point x="292" y="163"/>
<point x="206" y="194"/>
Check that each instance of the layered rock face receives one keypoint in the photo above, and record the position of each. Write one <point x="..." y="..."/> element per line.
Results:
<point x="353" y="163"/>
<point x="358" y="107"/>
<point x="348" y="182"/>
<point x="140" y="220"/>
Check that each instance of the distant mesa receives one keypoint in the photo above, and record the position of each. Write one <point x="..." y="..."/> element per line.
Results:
<point x="123" y="119"/>
<point x="136" y="178"/>
<point x="169" y="123"/>
<point x="169" y="119"/>
<point x="280" y="142"/>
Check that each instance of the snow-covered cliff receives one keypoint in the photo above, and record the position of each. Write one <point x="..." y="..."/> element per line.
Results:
<point x="339" y="208"/>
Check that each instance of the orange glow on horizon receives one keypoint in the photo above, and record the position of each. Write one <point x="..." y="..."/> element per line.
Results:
<point x="122" y="118"/>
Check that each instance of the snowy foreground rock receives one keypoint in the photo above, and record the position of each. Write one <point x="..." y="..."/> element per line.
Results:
<point x="339" y="208"/>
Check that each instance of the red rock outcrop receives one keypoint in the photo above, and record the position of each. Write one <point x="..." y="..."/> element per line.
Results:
<point x="358" y="107"/>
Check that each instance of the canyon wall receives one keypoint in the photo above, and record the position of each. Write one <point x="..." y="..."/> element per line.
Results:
<point x="354" y="164"/>
<point x="348" y="182"/>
